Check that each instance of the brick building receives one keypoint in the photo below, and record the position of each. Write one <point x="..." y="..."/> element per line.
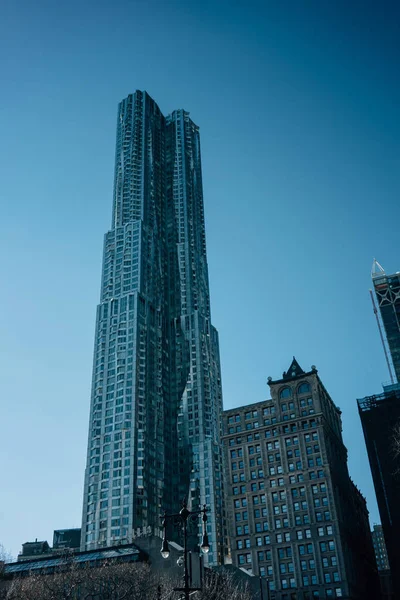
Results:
<point x="295" y="516"/>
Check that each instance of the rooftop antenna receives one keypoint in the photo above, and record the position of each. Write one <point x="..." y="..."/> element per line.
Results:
<point x="380" y="328"/>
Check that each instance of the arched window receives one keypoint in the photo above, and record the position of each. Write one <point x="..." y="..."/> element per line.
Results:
<point x="304" y="388"/>
<point x="285" y="393"/>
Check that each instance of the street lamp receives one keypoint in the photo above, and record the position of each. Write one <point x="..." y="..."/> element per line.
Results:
<point x="261" y="588"/>
<point x="183" y="515"/>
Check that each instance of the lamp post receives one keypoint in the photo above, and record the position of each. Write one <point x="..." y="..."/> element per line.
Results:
<point x="261" y="588"/>
<point x="183" y="515"/>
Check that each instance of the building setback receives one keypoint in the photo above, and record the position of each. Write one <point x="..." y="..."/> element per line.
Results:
<point x="295" y="516"/>
<point x="380" y="418"/>
<point x="156" y="402"/>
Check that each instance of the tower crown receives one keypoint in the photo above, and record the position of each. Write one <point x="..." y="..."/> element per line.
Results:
<point x="377" y="270"/>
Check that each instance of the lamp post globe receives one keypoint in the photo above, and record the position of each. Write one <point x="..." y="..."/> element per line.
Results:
<point x="205" y="546"/>
<point x="165" y="549"/>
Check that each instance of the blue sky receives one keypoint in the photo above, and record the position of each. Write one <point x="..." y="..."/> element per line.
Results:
<point x="297" y="104"/>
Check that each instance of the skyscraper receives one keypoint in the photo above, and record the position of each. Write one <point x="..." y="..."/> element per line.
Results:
<point x="387" y="291"/>
<point x="156" y="401"/>
<point x="295" y="516"/>
<point x="380" y="418"/>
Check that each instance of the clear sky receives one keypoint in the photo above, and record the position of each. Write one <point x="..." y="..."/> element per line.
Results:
<point x="298" y="107"/>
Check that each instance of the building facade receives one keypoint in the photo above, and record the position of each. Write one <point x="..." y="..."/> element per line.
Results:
<point x="295" y="516"/>
<point x="387" y="292"/>
<point x="66" y="539"/>
<point x="380" y="418"/>
<point x="33" y="550"/>
<point x="378" y="541"/>
<point x="156" y="403"/>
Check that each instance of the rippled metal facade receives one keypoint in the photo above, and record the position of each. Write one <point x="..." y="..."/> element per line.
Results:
<point x="155" y="417"/>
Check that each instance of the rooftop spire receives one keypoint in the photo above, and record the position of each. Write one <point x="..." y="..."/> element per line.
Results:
<point x="377" y="269"/>
<point x="294" y="370"/>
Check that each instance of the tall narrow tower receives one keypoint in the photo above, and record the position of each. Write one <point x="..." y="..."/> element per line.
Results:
<point x="156" y="402"/>
<point x="387" y="291"/>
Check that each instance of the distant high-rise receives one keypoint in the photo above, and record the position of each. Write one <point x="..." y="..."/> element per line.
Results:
<point x="156" y="402"/>
<point x="387" y="291"/>
<point x="378" y="540"/>
<point x="382" y="561"/>
<point x="295" y="516"/>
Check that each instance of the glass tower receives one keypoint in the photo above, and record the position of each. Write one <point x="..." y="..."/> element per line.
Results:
<point x="156" y="401"/>
<point x="387" y="291"/>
